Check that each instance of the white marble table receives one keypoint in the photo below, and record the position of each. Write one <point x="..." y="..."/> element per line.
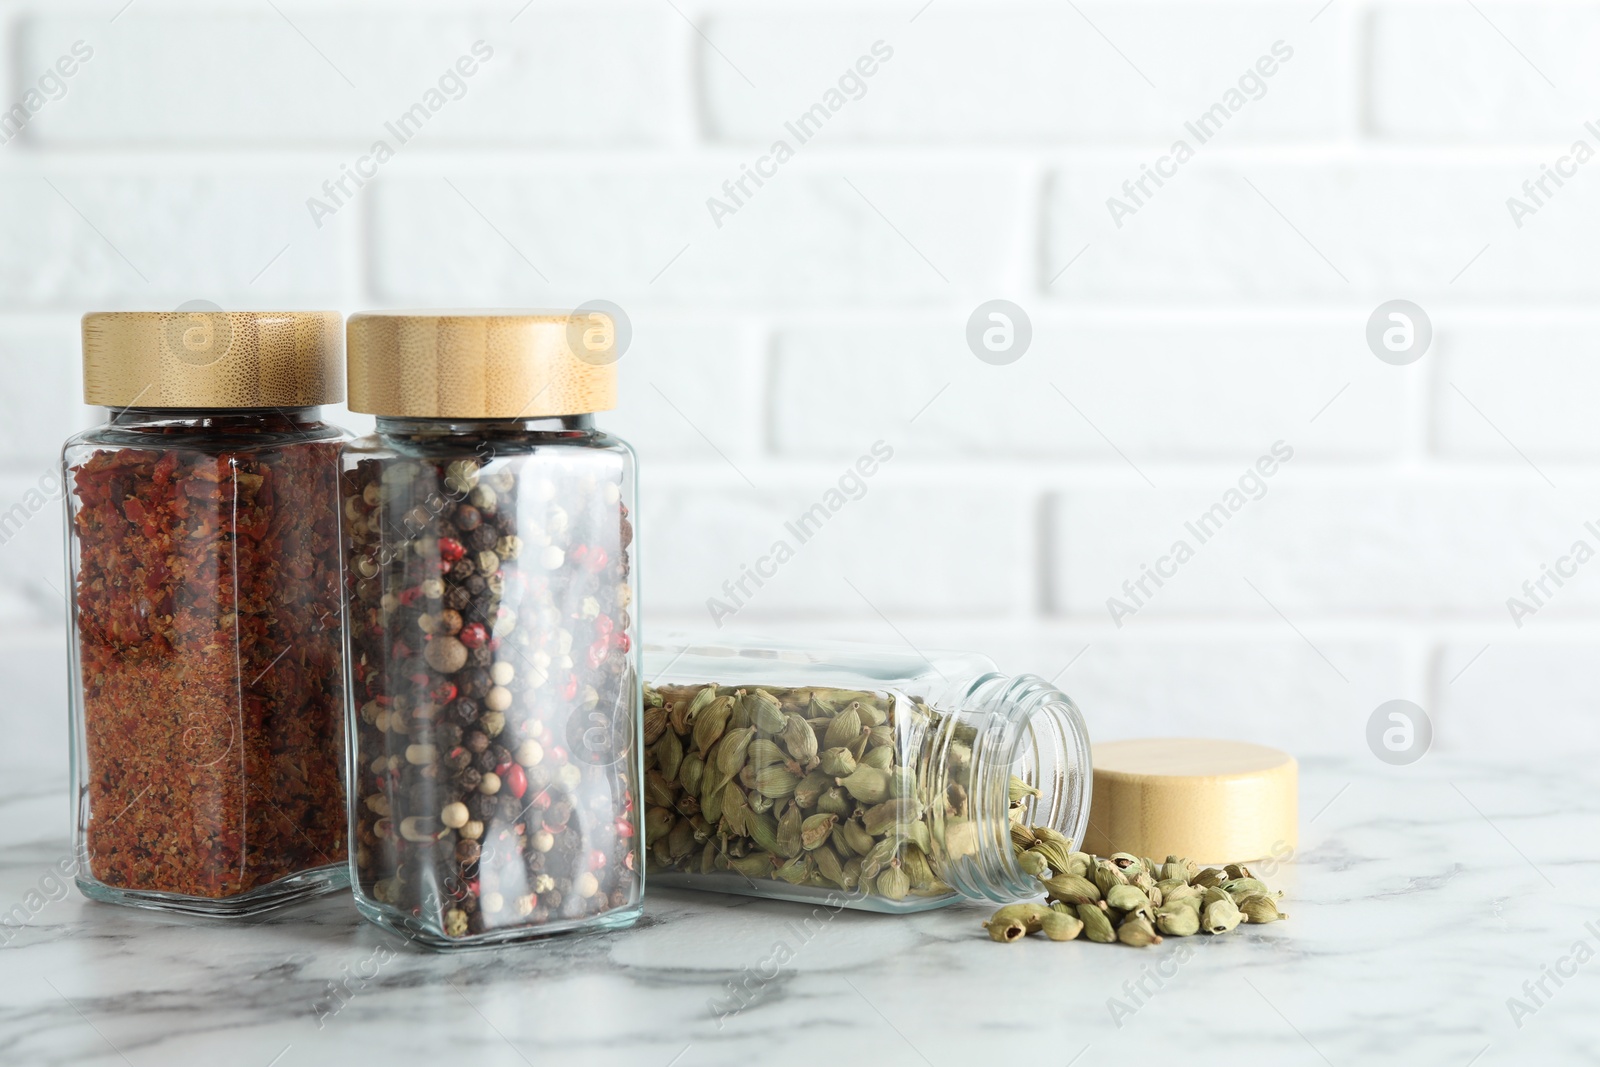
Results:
<point x="1422" y="898"/>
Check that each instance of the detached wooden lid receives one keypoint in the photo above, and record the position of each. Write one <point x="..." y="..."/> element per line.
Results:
<point x="482" y="364"/>
<point x="1208" y="800"/>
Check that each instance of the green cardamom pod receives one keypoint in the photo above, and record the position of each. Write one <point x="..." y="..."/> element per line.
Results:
<point x="657" y="823"/>
<point x="755" y="865"/>
<point x="1106" y="876"/>
<point x="1235" y="871"/>
<point x="1239" y="888"/>
<point x="710" y="723"/>
<point x="1207" y="878"/>
<point x="867" y="784"/>
<point x="711" y="796"/>
<point x="800" y="740"/>
<point x="881" y="737"/>
<point x="890" y="815"/>
<point x="917" y="833"/>
<point x="762" y="828"/>
<point x="915" y="863"/>
<point x="766" y="712"/>
<point x="1178" y="921"/>
<point x="794" y="872"/>
<point x="1213" y="895"/>
<point x="814" y="830"/>
<point x="835" y="801"/>
<point x="736" y="813"/>
<point x="1123" y="860"/>
<point x="776" y="782"/>
<point x="1060" y="927"/>
<point x="1006" y="930"/>
<point x="1260" y="908"/>
<point x="871" y="715"/>
<point x="764" y="752"/>
<point x="1138" y="931"/>
<point x="1220" y="916"/>
<point x="1051" y="836"/>
<point x="1174" y="870"/>
<point x="828" y="866"/>
<point x="860" y="841"/>
<point x="1017" y="791"/>
<point x="1096" y="924"/>
<point x="652" y="696"/>
<point x="1022" y="838"/>
<point x="789" y="843"/>
<point x="837" y="762"/>
<point x="655" y="724"/>
<point x="1030" y="913"/>
<point x="877" y="857"/>
<point x="1180" y="892"/>
<point x="1072" y="889"/>
<point x="1126" y="898"/>
<point x="659" y="791"/>
<point x="881" y="758"/>
<point x="808" y="792"/>
<point x="1080" y="864"/>
<point x="902" y="782"/>
<point x="735" y="745"/>
<point x="893" y="883"/>
<point x="680" y="842"/>
<point x="842" y="729"/>
<point x="690" y="772"/>
<point x="1032" y="863"/>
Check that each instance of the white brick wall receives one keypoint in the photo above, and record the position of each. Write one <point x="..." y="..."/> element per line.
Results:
<point x="828" y="311"/>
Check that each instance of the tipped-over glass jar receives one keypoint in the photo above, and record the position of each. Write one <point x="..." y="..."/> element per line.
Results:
<point x="203" y="558"/>
<point x="494" y="695"/>
<point x="851" y="776"/>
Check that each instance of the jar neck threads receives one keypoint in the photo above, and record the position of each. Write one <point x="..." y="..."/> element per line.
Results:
<point x="1016" y="726"/>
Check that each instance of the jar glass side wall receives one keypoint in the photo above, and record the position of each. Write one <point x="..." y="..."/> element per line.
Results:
<point x="849" y="776"/>
<point x="206" y="703"/>
<point x="493" y="694"/>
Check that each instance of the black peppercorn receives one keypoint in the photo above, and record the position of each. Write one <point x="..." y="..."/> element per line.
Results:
<point x="477" y="741"/>
<point x="484" y="537"/>
<point x="457" y="598"/>
<point x="469" y="779"/>
<point x="482" y="807"/>
<point x="468" y="851"/>
<point x="485" y="762"/>
<point x="467" y="518"/>
<point x="474" y="682"/>
<point x="506" y="523"/>
<point x="448" y="735"/>
<point x="462" y="569"/>
<point x="476" y="585"/>
<point x="482" y="656"/>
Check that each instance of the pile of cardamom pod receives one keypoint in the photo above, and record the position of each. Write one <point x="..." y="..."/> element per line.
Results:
<point x="1124" y="897"/>
<point x="801" y="786"/>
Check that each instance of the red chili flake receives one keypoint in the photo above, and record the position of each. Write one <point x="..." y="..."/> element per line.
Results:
<point x="408" y="597"/>
<point x="210" y="684"/>
<point x="450" y="549"/>
<point x="443" y="693"/>
<point x="473" y="635"/>
<point x="570" y="689"/>
<point x="597" y="859"/>
<point x="541" y="799"/>
<point x="595" y="561"/>
<point x="516" y="780"/>
<point x="597" y="652"/>
<point x="603" y="625"/>
<point x="621" y="641"/>
<point x="624" y="828"/>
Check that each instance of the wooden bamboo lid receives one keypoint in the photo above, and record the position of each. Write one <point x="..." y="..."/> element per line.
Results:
<point x="1208" y="800"/>
<point x="482" y="364"/>
<point x="208" y="358"/>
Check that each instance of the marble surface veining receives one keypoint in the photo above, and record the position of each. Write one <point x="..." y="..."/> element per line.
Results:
<point x="1422" y="899"/>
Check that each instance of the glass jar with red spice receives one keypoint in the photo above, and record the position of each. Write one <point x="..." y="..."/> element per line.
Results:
<point x="203" y="560"/>
<point x="494" y="691"/>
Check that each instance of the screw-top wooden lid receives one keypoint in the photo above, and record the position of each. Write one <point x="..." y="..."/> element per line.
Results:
<point x="482" y="364"/>
<point x="212" y="359"/>
<point x="1208" y="800"/>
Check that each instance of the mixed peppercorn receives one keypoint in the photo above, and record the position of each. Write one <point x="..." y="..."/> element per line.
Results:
<point x="494" y="688"/>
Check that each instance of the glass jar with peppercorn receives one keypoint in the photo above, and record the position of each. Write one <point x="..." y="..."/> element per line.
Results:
<point x="850" y="776"/>
<point x="494" y="694"/>
<point x="203" y="558"/>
